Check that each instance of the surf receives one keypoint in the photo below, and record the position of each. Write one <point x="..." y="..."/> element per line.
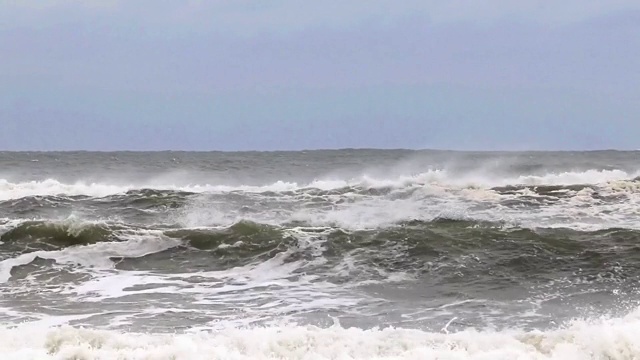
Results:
<point x="438" y="177"/>
<point x="610" y="338"/>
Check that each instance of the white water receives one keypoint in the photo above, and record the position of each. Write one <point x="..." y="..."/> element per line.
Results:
<point x="614" y="339"/>
<point x="423" y="196"/>
<point x="94" y="255"/>
<point x="263" y="291"/>
<point x="441" y="178"/>
<point x="578" y="209"/>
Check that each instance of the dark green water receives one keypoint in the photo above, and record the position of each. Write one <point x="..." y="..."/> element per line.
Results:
<point x="177" y="240"/>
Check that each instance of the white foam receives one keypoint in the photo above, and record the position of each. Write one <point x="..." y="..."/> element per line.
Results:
<point x="52" y="187"/>
<point x="423" y="196"/>
<point x="599" y="339"/>
<point x="579" y="210"/>
<point x="96" y="255"/>
<point x="443" y="178"/>
<point x="264" y="290"/>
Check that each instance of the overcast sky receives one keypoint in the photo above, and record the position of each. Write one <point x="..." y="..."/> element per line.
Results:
<point x="266" y="75"/>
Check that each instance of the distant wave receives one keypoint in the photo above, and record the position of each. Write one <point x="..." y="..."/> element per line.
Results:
<point x="588" y="200"/>
<point x="440" y="178"/>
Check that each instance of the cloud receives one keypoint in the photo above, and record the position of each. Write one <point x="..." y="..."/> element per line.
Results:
<point x="541" y="11"/>
<point x="50" y="5"/>
<point x="283" y="67"/>
<point x="253" y="18"/>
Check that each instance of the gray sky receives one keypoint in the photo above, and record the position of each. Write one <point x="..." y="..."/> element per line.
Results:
<point x="265" y="75"/>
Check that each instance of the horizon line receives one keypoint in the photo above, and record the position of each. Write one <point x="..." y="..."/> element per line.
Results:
<point x="322" y="149"/>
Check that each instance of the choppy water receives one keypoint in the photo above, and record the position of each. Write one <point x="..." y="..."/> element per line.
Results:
<point x="320" y="254"/>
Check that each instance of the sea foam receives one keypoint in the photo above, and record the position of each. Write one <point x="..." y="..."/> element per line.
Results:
<point x="595" y="339"/>
<point x="443" y="178"/>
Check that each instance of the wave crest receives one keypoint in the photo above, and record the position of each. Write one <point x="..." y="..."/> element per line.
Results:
<point x="55" y="234"/>
<point x="607" y="338"/>
<point x="440" y="178"/>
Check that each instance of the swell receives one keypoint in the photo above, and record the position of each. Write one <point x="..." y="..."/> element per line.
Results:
<point x="446" y="250"/>
<point x="340" y="192"/>
<point x="45" y="235"/>
<point x="334" y="185"/>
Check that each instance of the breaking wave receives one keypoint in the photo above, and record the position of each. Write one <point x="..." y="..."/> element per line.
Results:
<point x="188" y="256"/>
<point x="442" y="178"/>
<point x="596" y="339"/>
<point x="445" y="250"/>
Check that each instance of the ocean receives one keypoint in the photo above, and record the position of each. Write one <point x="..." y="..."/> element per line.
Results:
<point x="328" y="254"/>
